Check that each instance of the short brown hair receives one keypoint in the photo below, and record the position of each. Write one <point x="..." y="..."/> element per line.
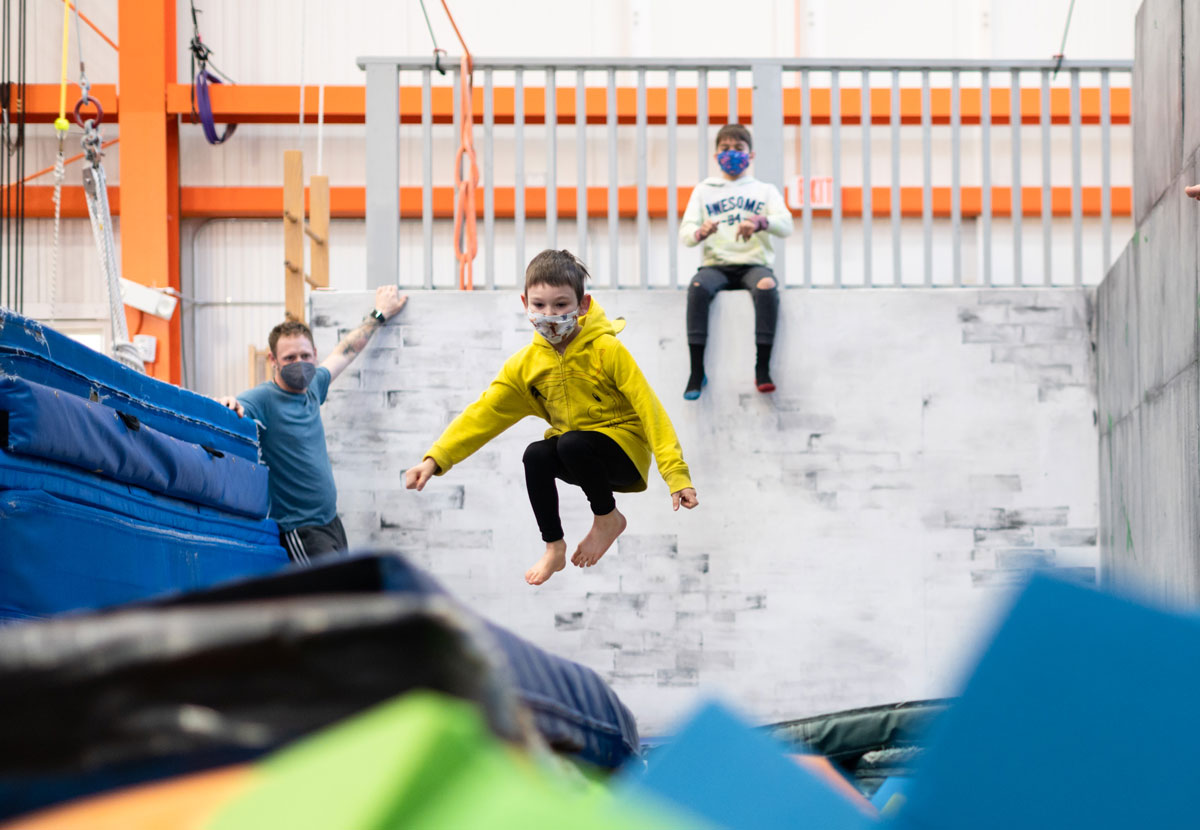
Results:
<point x="558" y="268"/>
<point x="288" y="328"/>
<point x="735" y="131"/>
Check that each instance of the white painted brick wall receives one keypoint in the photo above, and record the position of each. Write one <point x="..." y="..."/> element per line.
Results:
<point x="857" y="531"/>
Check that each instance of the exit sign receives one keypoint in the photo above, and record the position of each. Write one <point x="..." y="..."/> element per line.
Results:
<point x="819" y="192"/>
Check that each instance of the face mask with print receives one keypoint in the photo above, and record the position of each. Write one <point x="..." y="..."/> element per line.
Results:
<point x="298" y="375"/>
<point x="554" y="327"/>
<point x="733" y="162"/>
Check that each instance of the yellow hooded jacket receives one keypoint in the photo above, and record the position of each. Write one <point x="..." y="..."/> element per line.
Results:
<point x="593" y="385"/>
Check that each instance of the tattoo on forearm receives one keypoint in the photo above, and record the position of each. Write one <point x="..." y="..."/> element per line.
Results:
<point x="357" y="340"/>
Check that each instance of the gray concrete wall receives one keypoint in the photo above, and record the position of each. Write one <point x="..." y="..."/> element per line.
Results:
<point x="857" y="529"/>
<point x="1147" y="333"/>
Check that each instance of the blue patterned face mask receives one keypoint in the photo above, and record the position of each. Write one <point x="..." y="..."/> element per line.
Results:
<point x="733" y="162"/>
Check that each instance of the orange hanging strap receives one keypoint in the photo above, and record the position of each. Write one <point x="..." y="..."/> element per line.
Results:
<point x="465" y="243"/>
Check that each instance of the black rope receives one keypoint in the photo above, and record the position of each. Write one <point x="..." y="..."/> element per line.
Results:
<point x="202" y="57"/>
<point x="20" y="307"/>
<point x="5" y="98"/>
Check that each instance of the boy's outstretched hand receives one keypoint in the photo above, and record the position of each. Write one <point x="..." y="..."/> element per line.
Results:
<point x="686" y="497"/>
<point x="706" y="230"/>
<point x="416" y="477"/>
<point x="748" y="227"/>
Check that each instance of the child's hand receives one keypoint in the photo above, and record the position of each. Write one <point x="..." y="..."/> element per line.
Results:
<point x="706" y="230"/>
<point x="686" y="497"/>
<point x="748" y="227"/>
<point x="416" y="477"/>
<point x="1193" y="191"/>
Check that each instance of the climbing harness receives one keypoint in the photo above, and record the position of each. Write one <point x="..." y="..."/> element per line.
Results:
<point x="201" y="101"/>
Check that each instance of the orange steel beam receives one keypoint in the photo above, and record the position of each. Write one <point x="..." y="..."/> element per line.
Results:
<point x="92" y="26"/>
<point x="149" y="220"/>
<point x="249" y="104"/>
<point x="350" y="202"/>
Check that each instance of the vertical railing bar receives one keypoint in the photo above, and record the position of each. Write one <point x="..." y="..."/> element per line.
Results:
<point x="895" y="194"/>
<point x="985" y="206"/>
<point x="383" y="174"/>
<point x="1047" y="186"/>
<point x="643" y="214"/>
<point x="956" y="174"/>
<point x="835" y="125"/>
<point x="519" y="186"/>
<point x="702" y="124"/>
<point x="806" y="171"/>
<point x="672" y="196"/>
<point x="733" y="98"/>
<point x="489" y="182"/>
<point x="867" y="205"/>
<point x="456" y="76"/>
<point x="581" y="204"/>
<point x="551" y="159"/>
<point x="427" y="174"/>
<point x="1105" y="169"/>
<point x="927" y="175"/>
<point x="613" y="218"/>
<point x="1015" y="200"/>
<point x="1076" y="180"/>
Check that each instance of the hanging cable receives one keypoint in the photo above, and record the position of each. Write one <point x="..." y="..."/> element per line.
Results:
<point x="205" y="72"/>
<point x="12" y="163"/>
<point x="1062" y="48"/>
<point x="303" y="33"/>
<point x="465" y="244"/>
<point x="61" y="127"/>
<point x="21" y="90"/>
<point x="437" y="53"/>
<point x="95" y="189"/>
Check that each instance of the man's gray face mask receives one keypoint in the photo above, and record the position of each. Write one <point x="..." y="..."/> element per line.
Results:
<point x="298" y="375"/>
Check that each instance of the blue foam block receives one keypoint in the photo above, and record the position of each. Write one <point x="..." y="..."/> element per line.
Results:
<point x="721" y="769"/>
<point x="1082" y="713"/>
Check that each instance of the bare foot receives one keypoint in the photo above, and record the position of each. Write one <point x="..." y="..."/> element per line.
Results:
<point x="605" y="530"/>
<point x="553" y="561"/>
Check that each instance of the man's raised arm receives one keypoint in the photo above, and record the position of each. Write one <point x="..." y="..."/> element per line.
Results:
<point x="388" y="302"/>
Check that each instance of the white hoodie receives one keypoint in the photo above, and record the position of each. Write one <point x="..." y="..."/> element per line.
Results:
<point x="728" y="203"/>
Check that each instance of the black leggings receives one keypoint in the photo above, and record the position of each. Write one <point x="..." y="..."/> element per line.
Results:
<point x="713" y="278"/>
<point x="590" y="460"/>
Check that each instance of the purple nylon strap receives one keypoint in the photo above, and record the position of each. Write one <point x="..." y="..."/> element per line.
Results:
<point x="204" y="109"/>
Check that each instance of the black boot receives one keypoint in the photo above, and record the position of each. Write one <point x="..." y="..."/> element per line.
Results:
<point x="696" y="379"/>
<point x="762" y="369"/>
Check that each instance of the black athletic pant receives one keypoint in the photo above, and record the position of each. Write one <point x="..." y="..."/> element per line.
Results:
<point x="713" y="278"/>
<point x="590" y="460"/>
<point x="305" y="543"/>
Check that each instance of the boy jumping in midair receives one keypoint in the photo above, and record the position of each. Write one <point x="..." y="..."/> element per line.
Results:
<point x="605" y="420"/>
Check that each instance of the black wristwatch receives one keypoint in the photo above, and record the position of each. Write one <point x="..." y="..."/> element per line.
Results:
<point x="377" y="316"/>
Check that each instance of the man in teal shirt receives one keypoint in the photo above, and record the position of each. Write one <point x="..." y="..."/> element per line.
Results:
<point x="287" y="409"/>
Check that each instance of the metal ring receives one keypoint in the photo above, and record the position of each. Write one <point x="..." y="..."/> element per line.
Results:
<point x="81" y="103"/>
